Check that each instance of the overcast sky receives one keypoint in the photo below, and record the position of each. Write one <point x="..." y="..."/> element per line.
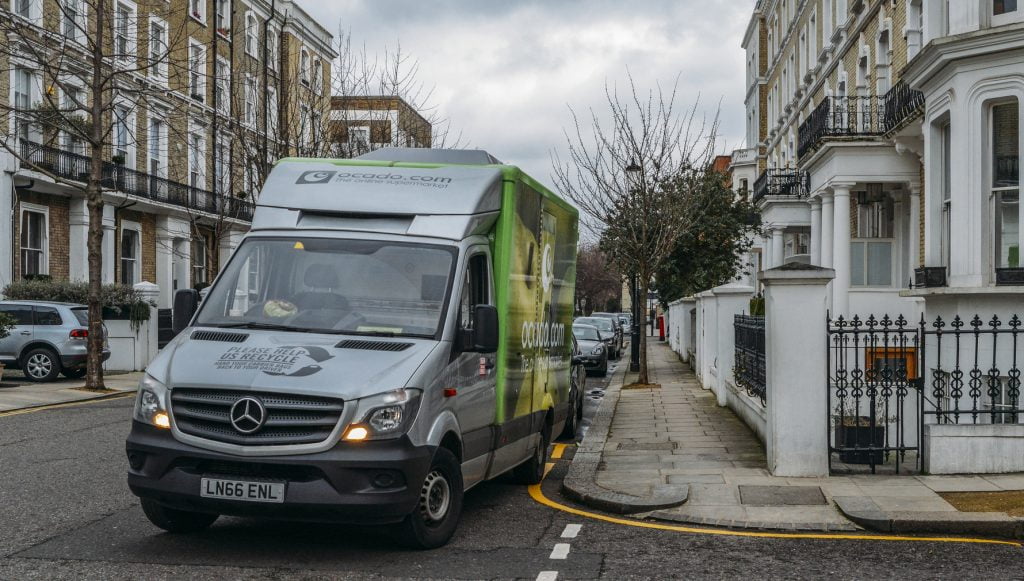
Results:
<point x="506" y="71"/>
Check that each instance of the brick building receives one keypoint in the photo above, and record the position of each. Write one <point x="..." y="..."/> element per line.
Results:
<point x="863" y="154"/>
<point x="362" y="124"/>
<point x="207" y="95"/>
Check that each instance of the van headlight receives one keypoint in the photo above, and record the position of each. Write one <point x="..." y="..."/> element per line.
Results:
<point x="151" y="403"/>
<point x="387" y="415"/>
<point x="598" y="350"/>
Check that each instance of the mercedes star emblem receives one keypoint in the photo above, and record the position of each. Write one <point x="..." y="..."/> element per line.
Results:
<point x="248" y="415"/>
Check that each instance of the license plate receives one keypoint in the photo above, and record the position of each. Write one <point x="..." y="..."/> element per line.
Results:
<point x="242" y="490"/>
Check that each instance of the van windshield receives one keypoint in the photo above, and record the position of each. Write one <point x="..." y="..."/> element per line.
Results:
<point x="332" y="286"/>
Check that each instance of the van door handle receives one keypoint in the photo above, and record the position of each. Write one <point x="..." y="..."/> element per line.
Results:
<point x="26" y="332"/>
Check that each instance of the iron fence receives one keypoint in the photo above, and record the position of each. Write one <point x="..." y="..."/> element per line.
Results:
<point x="749" y="355"/>
<point x="840" y="117"/>
<point x="788" y="183"/>
<point x="901" y="104"/>
<point x="75" y="166"/>
<point x="888" y="378"/>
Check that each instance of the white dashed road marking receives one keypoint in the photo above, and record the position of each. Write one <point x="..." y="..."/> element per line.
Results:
<point x="547" y="576"/>
<point x="571" y="531"/>
<point x="561" y="551"/>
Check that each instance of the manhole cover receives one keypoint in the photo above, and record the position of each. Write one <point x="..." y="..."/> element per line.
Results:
<point x="652" y="446"/>
<point x="781" y="495"/>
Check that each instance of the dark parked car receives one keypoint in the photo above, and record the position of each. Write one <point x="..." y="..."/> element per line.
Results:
<point x="620" y="333"/>
<point x="608" y="334"/>
<point x="578" y="386"/>
<point x="593" y="350"/>
<point x="627" y="322"/>
<point x="48" y="339"/>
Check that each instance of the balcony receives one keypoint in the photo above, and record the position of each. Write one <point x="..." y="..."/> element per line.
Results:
<point x="841" y="117"/>
<point x="901" y="105"/>
<point x="76" y="167"/>
<point x="782" y="183"/>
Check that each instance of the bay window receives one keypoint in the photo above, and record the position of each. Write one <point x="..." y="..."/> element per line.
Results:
<point x="1006" y="184"/>
<point x="871" y="252"/>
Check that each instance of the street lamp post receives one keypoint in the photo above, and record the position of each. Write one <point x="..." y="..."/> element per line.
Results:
<point x="633" y="174"/>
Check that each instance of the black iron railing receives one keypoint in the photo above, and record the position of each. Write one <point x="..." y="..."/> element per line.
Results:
<point x="901" y="104"/>
<point x="786" y="183"/>
<point x="750" y="358"/>
<point x="840" y="117"/>
<point x="74" y="166"/>
<point x="888" y="377"/>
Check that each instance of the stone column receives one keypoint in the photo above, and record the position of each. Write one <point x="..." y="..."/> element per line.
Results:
<point x="78" y="240"/>
<point x="686" y="326"/>
<point x="109" y="243"/>
<point x="778" y="247"/>
<point x="731" y="300"/>
<point x="816" y="232"/>
<point x="795" y="351"/>
<point x="841" y="250"/>
<point x="915" y="229"/>
<point x="148" y="339"/>
<point x="707" y="338"/>
<point x="827" y="220"/>
<point x="8" y="164"/>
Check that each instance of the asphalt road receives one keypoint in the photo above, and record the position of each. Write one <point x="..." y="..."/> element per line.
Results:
<point x="65" y="512"/>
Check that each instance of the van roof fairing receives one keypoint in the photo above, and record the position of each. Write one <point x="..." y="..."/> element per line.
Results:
<point x="327" y="187"/>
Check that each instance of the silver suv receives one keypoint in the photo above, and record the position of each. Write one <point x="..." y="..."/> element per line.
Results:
<point x="48" y="339"/>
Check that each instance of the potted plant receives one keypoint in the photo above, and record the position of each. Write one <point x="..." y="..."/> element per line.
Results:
<point x="853" y="430"/>
<point x="7" y="323"/>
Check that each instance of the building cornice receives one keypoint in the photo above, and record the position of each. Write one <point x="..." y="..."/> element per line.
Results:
<point x="939" y="53"/>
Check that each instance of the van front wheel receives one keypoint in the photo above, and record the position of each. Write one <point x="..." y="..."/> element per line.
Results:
<point x="532" y="471"/>
<point x="437" y="514"/>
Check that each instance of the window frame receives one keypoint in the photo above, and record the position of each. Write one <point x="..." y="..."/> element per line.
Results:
<point x="196" y="78"/>
<point x="196" y="146"/>
<point x="222" y="85"/>
<point x="304" y="67"/>
<point x="44" y="250"/>
<point x="197" y="11"/>
<point x="995" y="192"/>
<point x="124" y="55"/>
<point x="136" y="261"/>
<point x="252" y="34"/>
<point x="158" y="65"/>
<point x="250" y="114"/>
<point x="220" y="18"/>
<point x="199" y="267"/>
<point x="79" y="23"/>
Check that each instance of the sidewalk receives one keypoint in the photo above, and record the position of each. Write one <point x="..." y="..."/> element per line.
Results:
<point x="16" y="394"/>
<point x="676" y="440"/>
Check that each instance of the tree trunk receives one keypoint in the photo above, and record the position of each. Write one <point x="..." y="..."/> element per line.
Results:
<point x="94" y="195"/>
<point x="643" y="377"/>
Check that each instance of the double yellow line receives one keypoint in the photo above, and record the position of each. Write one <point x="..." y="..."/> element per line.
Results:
<point x="537" y="494"/>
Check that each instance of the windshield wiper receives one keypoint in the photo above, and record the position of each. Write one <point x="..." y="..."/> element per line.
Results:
<point x="268" y="327"/>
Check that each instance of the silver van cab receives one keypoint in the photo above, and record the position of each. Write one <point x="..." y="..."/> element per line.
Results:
<point x="392" y="332"/>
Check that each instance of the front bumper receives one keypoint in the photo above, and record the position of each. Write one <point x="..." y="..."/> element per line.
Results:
<point x="591" y="362"/>
<point x="342" y="484"/>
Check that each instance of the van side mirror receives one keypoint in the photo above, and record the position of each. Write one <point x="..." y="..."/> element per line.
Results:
<point x="485" y="329"/>
<point x="186" y="302"/>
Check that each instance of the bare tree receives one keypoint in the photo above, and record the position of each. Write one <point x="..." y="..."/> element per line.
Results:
<point x="596" y="283"/>
<point x="620" y="164"/>
<point x="382" y="94"/>
<point x="86" y="77"/>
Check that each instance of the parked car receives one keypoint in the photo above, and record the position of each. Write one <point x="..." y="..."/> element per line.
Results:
<point x="619" y="332"/>
<point x="627" y="322"/>
<point x="577" y="387"/>
<point x="594" y="351"/>
<point x="48" y="339"/>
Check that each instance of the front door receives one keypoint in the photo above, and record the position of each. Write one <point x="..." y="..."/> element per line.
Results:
<point x="475" y="403"/>
<point x="20" y="335"/>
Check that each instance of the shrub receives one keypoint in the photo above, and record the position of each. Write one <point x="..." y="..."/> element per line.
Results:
<point x="118" y="300"/>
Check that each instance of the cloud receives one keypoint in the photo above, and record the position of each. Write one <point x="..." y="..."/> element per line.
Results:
<point x="505" y="73"/>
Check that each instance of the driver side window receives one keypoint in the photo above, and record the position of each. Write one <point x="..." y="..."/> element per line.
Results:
<point x="475" y="290"/>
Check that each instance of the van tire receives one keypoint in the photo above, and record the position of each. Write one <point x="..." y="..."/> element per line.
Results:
<point x="176" y="521"/>
<point x="423" y="530"/>
<point x="572" y="418"/>
<point x="532" y="471"/>
<point x="40" y="365"/>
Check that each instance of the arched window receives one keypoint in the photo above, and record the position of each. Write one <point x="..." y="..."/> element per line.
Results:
<point x="252" y="33"/>
<point x="304" y="67"/>
<point x="318" y="70"/>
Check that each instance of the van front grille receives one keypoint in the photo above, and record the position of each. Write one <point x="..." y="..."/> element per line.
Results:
<point x="289" y="418"/>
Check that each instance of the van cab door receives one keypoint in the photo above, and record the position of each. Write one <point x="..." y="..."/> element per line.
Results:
<point x="475" y="398"/>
